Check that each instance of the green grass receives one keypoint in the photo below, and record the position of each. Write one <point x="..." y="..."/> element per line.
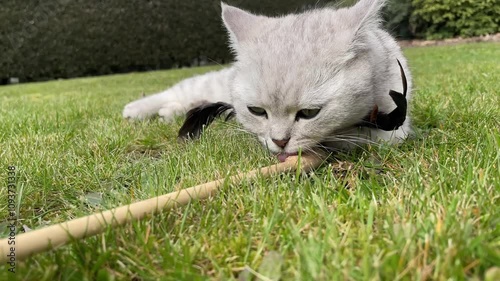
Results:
<point x="428" y="209"/>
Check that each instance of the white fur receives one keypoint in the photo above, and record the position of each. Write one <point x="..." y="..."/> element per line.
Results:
<point x="339" y="60"/>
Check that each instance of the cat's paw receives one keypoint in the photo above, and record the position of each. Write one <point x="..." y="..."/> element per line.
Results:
<point x="137" y="110"/>
<point x="170" y="110"/>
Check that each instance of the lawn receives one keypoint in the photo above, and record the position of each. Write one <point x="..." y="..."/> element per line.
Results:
<point x="428" y="209"/>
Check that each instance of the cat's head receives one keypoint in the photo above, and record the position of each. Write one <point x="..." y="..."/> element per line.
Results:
<point x="302" y="78"/>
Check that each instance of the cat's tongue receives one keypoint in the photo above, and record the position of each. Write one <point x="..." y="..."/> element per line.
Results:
<point x="283" y="156"/>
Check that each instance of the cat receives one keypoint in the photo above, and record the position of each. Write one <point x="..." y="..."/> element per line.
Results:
<point x="306" y="81"/>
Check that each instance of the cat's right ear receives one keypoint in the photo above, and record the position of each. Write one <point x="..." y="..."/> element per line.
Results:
<point x="239" y="23"/>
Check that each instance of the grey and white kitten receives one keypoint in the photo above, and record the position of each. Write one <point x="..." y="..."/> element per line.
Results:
<point x="301" y="81"/>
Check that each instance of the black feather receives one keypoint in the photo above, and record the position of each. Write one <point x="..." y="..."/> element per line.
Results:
<point x="393" y="120"/>
<point x="202" y="116"/>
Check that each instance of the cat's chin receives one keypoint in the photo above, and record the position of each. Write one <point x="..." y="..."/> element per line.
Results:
<point x="283" y="156"/>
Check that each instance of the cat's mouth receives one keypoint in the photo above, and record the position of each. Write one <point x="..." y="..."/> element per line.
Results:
<point x="283" y="156"/>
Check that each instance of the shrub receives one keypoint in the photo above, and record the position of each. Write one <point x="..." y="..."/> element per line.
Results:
<point x="397" y="18"/>
<point x="437" y="19"/>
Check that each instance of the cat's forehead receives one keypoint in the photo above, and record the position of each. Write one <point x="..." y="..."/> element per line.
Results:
<point x="296" y="43"/>
<point x="316" y="30"/>
<point x="282" y="91"/>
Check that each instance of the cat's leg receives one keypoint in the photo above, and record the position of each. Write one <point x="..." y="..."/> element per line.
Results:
<point x="146" y="107"/>
<point x="179" y="99"/>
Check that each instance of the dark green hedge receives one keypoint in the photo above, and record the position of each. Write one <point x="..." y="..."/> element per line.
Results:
<point x="397" y="18"/>
<point x="438" y="19"/>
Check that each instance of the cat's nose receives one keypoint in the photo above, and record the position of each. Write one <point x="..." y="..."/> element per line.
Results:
<point x="281" y="143"/>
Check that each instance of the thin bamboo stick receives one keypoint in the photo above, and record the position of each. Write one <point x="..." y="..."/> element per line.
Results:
<point x="51" y="237"/>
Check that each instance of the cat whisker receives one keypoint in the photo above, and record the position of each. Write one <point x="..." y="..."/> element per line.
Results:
<point x="325" y="149"/>
<point x="314" y="149"/>
<point x="311" y="150"/>
<point x="348" y="141"/>
<point x="231" y="125"/>
<point x="362" y="140"/>
<point x="237" y="128"/>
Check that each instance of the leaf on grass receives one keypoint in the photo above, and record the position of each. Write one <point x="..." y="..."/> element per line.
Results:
<point x="492" y="274"/>
<point x="245" y="275"/>
<point x="93" y="199"/>
<point x="271" y="266"/>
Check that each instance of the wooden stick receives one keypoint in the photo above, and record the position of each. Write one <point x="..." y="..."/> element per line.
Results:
<point x="54" y="236"/>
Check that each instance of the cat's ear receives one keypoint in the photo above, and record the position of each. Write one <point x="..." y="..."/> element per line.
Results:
<point x="239" y="23"/>
<point x="368" y="18"/>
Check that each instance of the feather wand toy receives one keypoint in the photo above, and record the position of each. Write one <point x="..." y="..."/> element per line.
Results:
<point x="52" y="237"/>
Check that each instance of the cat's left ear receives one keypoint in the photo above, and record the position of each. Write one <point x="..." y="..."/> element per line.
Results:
<point x="240" y="24"/>
<point x="367" y="15"/>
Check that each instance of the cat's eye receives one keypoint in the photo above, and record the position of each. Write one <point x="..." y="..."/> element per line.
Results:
<point x="259" y="111"/>
<point x="308" y="113"/>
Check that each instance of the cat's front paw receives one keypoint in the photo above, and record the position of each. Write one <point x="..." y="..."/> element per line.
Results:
<point x="138" y="110"/>
<point x="170" y="110"/>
